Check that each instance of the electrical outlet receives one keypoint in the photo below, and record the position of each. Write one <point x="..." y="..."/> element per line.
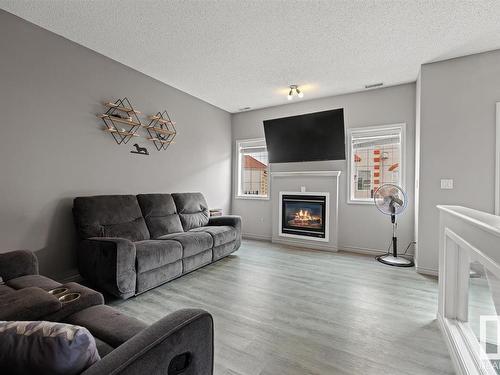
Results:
<point x="447" y="184"/>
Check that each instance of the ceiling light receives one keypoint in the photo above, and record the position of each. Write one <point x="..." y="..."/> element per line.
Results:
<point x="294" y="90"/>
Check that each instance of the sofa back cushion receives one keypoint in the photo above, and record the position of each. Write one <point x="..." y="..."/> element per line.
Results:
<point x="160" y="214"/>
<point x="192" y="209"/>
<point x="110" y="216"/>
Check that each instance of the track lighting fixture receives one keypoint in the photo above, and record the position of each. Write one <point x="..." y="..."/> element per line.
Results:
<point x="294" y="89"/>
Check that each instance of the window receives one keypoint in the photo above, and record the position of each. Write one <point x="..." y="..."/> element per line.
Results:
<point x="376" y="156"/>
<point x="253" y="169"/>
<point x="364" y="178"/>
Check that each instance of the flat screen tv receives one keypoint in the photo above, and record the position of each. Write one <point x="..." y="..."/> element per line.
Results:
<point x="310" y="137"/>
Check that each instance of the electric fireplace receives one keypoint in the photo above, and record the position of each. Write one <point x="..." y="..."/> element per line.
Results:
<point x="304" y="215"/>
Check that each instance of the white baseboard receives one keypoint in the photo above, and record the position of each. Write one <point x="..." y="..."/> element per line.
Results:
<point x="427" y="271"/>
<point x="304" y="244"/>
<point x="258" y="237"/>
<point x="361" y="250"/>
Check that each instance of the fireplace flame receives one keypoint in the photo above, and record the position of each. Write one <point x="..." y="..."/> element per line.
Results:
<point x="303" y="215"/>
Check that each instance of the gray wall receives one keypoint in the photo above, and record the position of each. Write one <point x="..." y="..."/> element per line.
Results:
<point x="52" y="147"/>
<point x="457" y="140"/>
<point x="361" y="227"/>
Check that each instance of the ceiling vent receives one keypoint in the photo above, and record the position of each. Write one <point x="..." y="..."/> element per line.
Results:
<point x="372" y="86"/>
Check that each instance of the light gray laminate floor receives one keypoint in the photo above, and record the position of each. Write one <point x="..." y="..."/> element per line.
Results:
<point x="289" y="311"/>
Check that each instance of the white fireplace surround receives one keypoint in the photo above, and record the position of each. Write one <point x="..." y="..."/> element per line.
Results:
<point x="305" y="194"/>
<point x="306" y="183"/>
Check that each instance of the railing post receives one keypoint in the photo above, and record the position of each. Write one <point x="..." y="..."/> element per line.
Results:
<point x="465" y="236"/>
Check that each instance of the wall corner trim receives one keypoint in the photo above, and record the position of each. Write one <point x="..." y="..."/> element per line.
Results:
<point x="427" y="271"/>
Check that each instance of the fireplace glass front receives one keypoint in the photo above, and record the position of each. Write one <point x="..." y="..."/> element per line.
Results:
<point x="304" y="215"/>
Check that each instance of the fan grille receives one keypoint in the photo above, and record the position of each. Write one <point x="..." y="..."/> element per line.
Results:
<point x="390" y="199"/>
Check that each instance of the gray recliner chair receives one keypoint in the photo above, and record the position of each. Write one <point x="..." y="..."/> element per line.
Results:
<point x="180" y="343"/>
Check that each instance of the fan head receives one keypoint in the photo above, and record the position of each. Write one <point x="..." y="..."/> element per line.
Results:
<point x="390" y="199"/>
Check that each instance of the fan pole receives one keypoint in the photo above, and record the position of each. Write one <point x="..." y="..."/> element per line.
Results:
<point x="394" y="260"/>
<point x="386" y="198"/>
<point x="394" y="240"/>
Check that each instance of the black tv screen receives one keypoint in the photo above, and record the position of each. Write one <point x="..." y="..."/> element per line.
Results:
<point x="309" y="137"/>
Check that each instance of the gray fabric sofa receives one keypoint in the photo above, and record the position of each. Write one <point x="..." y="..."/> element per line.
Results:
<point x="130" y="244"/>
<point x="180" y="343"/>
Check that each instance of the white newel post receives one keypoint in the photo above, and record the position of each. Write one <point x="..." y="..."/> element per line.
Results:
<point x="468" y="294"/>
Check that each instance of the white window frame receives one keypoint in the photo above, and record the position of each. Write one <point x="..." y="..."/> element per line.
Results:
<point x="238" y="172"/>
<point x="374" y="131"/>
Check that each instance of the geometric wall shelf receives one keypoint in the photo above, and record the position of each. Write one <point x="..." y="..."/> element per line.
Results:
<point x="121" y="120"/>
<point x="161" y="130"/>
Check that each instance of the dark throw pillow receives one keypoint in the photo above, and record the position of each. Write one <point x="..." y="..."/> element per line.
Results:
<point x="45" y="348"/>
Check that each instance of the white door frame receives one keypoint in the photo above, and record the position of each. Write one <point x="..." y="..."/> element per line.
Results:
<point x="497" y="161"/>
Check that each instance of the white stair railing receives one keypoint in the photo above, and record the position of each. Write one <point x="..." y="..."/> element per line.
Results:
<point x="469" y="288"/>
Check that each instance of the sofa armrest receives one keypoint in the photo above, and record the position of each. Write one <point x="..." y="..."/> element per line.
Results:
<point x="181" y="339"/>
<point x="230" y="220"/>
<point x="109" y="263"/>
<point x="28" y="304"/>
<point x="18" y="263"/>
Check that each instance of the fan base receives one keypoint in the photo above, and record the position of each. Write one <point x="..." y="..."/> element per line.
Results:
<point x="395" y="261"/>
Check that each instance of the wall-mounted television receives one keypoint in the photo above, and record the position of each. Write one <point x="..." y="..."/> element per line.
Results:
<point x="309" y="137"/>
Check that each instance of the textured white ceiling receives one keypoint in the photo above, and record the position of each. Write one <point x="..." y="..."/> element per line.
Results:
<point x="236" y="54"/>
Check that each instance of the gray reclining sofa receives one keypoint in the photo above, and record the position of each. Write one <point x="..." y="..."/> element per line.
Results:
<point x="130" y="244"/>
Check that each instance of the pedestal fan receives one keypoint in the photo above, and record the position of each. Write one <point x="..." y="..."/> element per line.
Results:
<point x="391" y="200"/>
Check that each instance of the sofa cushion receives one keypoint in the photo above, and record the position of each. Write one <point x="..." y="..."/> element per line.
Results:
<point x="152" y="278"/>
<point x="17" y="263"/>
<point x="28" y="304"/>
<point x="110" y="216"/>
<point x="160" y="214"/>
<point x="4" y="289"/>
<point x="192" y="242"/>
<point x="192" y="209"/>
<point x="103" y="348"/>
<point x="196" y="261"/>
<point x="152" y="254"/>
<point x="28" y="281"/>
<point x="221" y="251"/>
<point x="40" y="347"/>
<point x="220" y="234"/>
<point x="107" y="324"/>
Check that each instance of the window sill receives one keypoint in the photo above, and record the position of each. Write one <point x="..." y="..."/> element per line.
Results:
<point x="252" y="198"/>
<point x="369" y="202"/>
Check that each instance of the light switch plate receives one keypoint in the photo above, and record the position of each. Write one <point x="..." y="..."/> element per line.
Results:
<point x="447" y="183"/>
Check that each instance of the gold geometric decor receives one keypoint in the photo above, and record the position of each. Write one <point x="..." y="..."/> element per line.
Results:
<point x="161" y="130"/>
<point x="121" y="120"/>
